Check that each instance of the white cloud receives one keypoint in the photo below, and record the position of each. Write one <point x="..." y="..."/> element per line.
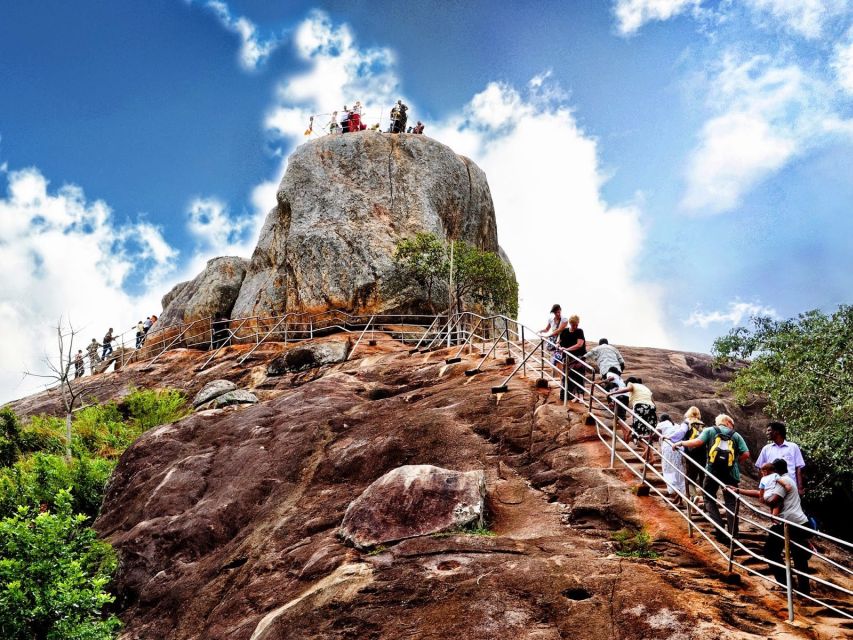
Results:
<point x="254" y="50"/>
<point x="631" y="15"/>
<point x="543" y="173"/>
<point x="62" y="255"/>
<point x="842" y="63"/>
<point x="767" y="115"/>
<point x="803" y="17"/>
<point x="736" y="313"/>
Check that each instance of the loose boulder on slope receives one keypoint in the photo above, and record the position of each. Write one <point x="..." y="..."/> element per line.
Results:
<point x="415" y="500"/>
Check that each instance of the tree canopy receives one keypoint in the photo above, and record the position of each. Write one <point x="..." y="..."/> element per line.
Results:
<point x="803" y="367"/>
<point x="421" y="272"/>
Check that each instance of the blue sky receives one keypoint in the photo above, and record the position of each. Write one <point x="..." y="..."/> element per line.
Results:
<point x="696" y="154"/>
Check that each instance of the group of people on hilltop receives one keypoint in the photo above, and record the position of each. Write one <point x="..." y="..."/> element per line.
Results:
<point x="351" y="120"/>
<point x="689" y="445"/>
<point x="106" y="347"/>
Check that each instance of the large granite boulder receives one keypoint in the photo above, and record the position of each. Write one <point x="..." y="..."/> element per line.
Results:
<point x="211" y="293"/>
<point x="343" y="204"/>
<point x="213" y="389"/>
<point x="309" y="356"/>
<point x="414" y="500"/>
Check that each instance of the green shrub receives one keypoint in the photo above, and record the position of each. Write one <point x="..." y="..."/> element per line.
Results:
<point x="53" y="576"/>
<point x="634" y="544"/>
<point x="10" y="437"/>
<point x="35" y="481"/>
<point x="43" y="433"/>
<point x="149" y="408"/>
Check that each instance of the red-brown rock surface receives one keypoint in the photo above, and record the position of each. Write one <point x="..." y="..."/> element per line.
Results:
<point x="226" y="521"/>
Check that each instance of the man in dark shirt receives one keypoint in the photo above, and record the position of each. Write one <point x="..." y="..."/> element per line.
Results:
<point x="573" y="345"/>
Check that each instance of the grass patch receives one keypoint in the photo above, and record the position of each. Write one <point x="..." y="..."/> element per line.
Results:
<point x="634" y="544"/>
<point x="377" y="550"/>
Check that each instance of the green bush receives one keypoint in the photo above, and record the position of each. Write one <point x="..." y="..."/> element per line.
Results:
<point x="53" y="576"/>
<point x="35" y="481"/>
<point x="10" y="437"/>
<point x="148" y="408"/>
<point x="43" y="433"/>
<point x="634" y="544"/>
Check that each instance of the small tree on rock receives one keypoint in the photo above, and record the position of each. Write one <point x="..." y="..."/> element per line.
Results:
<point x="422" y="273"/>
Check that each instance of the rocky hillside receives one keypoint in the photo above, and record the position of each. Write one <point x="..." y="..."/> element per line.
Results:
<point x="227" y="522"/>
<point x="343" y="204"/>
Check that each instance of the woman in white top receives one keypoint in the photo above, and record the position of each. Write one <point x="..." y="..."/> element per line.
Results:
<point x="673" y="463"/>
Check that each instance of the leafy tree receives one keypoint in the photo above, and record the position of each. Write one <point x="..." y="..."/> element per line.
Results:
<point x="803" y="367"/>
<point x="422" y="273"/>
<point x="53" y="576"/>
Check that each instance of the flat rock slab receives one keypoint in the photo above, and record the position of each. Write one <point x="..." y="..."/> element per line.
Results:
<point x="212" y="390"/>
<point x="414" y="500"/>
<point x="309" y="356"/>
<point x="239" y="396"/>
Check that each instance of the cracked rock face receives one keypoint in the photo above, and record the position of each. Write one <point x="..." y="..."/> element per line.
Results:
<point x="343" y="204"/>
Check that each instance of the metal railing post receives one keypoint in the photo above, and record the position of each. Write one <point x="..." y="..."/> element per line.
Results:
<point x="311" y="329"/>
<point x="495" y="338"/>
<point x="591" y="392"/>
<point x="732" y="532"/>
<point x="788" y="584"/>
<point x="613" y="439"/>
<point x="523" y="355"/>
<point x="542" y="359"/>
<point x="689" y="503"/>
<point x="565" y="382"/>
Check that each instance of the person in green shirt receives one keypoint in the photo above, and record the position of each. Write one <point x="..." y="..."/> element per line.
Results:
<point x="726" y="450"/>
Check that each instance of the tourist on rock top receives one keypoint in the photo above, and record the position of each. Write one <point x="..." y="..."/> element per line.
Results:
<point x="79" y="365"/>
<point x="605" y="357"/>
<point x="107" y="343"/>
<point x="572" y="350"/>
<point x="726" y="451"/>
<point x="779" y="447"/>
<point x="419" y="128"/>
<point x="140" y="333"/>
<point x="333" y="125"/>
<point x="94" y="358"/>
<point x="345" y="120"/>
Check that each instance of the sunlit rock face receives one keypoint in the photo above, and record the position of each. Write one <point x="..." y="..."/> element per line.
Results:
<point x="344" y="203"/>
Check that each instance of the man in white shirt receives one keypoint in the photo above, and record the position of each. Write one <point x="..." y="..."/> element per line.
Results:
<point x="605" y="357"/>
<point x="779" y="448"/>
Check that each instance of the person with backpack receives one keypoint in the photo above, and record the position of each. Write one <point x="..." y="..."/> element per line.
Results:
<point x="726" y="451"/>
<point x="693" y="427"/>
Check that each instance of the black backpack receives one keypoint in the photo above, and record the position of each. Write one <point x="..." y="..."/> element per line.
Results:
<point x="721" y="453"/>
